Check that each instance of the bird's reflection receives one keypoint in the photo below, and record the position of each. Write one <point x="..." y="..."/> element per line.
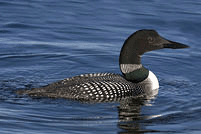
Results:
<point x="131" y="120"/>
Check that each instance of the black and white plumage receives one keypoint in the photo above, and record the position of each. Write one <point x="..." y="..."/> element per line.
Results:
<point x="135" y="81"/>
<point x="97" y="87"/>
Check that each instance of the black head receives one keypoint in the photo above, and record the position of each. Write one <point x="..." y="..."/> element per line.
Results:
<point x="143" y="41"/>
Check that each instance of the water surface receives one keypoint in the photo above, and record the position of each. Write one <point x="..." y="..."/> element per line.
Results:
<point x="45" y="41"/>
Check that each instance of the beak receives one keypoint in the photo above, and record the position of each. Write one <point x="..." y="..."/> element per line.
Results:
<point x="173" y="45"/>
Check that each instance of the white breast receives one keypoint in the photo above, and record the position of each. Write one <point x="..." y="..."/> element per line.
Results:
<point x="153" y="78"/>
<point x="151" y="84"/>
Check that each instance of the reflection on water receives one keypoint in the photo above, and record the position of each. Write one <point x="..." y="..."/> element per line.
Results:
<point x="131" y="119"/>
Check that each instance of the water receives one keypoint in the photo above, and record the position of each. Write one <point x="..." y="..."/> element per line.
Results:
<point x="45" y="41"/>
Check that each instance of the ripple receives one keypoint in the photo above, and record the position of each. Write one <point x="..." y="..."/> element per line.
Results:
<point x="5" y="31"/>
<point x="19" y="25"/>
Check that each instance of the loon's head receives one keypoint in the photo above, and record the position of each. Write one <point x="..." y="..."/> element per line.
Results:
<point x="136" y="45"/>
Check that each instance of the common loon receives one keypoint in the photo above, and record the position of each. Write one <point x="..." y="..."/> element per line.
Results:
<point x="135" y="81"/>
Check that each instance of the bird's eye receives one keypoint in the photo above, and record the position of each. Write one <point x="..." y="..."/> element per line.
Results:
<point x="150" y="39"/>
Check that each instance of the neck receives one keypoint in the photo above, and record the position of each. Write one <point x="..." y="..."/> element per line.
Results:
<point x="130" y="63"/>
<point x="129" y="58"/>
<point x="134" y="72"/>
<point x="127" y="68"/>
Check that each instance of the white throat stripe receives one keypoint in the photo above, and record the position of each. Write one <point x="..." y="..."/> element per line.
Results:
<point x="127" y="68"/>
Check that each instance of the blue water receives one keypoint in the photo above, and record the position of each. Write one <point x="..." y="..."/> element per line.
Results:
<point x="45" y="41"/>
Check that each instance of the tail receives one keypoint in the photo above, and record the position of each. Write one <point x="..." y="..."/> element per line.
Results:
<point x="22" y="91"/>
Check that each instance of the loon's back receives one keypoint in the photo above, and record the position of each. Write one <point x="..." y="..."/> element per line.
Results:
<point x="97" y="87"/>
